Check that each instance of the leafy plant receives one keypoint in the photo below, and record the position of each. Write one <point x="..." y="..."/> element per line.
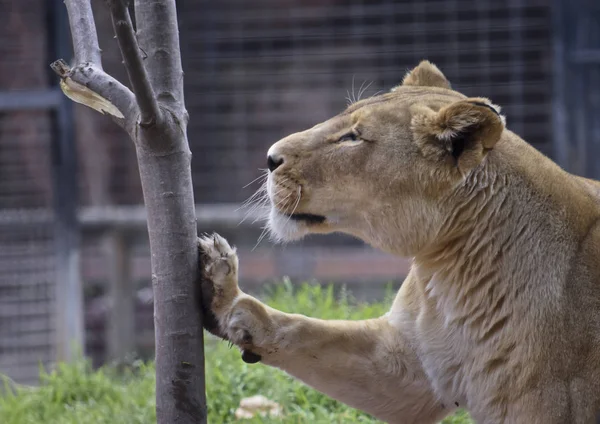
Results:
<point x="77" y="394"/>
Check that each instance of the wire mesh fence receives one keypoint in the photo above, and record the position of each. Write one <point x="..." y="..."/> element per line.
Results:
<point x="27" y="260"/>
<point x="255" y="74"/>
<point x="27" y="247"/>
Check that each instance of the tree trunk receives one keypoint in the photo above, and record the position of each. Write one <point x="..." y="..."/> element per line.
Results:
<point x="154" y="115"/>
<point x="167" y="185"/>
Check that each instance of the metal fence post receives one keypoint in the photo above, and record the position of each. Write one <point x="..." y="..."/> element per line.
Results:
<point x="69" y="297"/>
<point x="575" y="104"/>
<point x="561" y="147"/>
<point x="121" y="320"/>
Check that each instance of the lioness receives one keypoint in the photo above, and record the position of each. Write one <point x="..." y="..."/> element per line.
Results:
<point x="500" y="313"/>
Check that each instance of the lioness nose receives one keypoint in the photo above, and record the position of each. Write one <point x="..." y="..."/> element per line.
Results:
<point x="273" y="162"/>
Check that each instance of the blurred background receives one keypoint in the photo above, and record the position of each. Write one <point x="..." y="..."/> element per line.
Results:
<point x="74" y="257"/>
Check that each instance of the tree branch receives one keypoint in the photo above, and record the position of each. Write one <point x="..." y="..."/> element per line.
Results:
<point x="158" y="35"/>
<point x="132" y="59"/>
<point x="92" y="87"/>
<point x="86" y="82"/>
<point x="83" y="31"/>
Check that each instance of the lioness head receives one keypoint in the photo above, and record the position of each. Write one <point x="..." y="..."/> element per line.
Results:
<point x="382" y="169"/>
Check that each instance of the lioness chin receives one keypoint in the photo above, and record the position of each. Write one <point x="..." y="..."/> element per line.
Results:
<point x="500" y="313"/>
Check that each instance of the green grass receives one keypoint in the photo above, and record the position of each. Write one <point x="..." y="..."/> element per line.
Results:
<point x="76" y="394"/>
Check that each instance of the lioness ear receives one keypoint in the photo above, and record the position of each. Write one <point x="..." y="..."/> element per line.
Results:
<point x="426" y="74"/>
<point x="464" y="131"/>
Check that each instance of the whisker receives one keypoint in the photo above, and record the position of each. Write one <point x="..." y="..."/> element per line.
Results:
<point x="249" y="204"/>
<point x="348" y="99"/>
<point x="258" y="200"/>
<point x="259" y="218"/>
<point x="266" y="227"/>
<point x="256" y="206"/>
<point x="360" y="89"/>
<point x="261" y="237"/>
<point x="253" y="212"/>
<point x="376" y="93"/>
<point x="262" y="176"/>
<point x="296" y="205"/>
<point x="282" y="201"/>
<point x="361" y="92"/>
<point x="261" y="190"/>
<point x="250" y="199"/>
<point x="261" y="203"/>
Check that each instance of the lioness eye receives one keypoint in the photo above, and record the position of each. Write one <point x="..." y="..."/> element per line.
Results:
<point x="348" y="137"/>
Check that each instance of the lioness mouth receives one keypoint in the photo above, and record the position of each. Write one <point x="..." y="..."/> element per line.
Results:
<point x="309" y="218"/>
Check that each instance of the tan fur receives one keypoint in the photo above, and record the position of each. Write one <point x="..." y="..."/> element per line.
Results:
<point x="426" y="75"/>
<point x="500" y="313"/>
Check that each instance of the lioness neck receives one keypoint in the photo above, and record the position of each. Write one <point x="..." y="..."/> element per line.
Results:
<point x="512" y="230"/>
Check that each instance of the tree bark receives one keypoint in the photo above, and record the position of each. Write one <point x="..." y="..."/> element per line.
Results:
<point x="154" y="115"/>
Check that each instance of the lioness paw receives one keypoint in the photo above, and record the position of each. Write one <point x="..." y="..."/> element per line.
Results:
<point x="219" y="260"/>
<point x="228" y="312"/>
<point x="218" y="280"/>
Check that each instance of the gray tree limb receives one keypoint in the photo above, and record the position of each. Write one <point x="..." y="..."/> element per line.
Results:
<point x="87" y="80"/>
<point x="132" y="58"/>
<point x="83" y="30"/>
<point x="164" y="161"/>
<point x="158" y="35"/>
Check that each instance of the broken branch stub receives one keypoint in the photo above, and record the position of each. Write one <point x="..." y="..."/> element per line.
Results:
<point x="79" y="93"/>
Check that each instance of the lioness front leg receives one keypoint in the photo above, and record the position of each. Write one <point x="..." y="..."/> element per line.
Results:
<point x="366" y="364"/>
